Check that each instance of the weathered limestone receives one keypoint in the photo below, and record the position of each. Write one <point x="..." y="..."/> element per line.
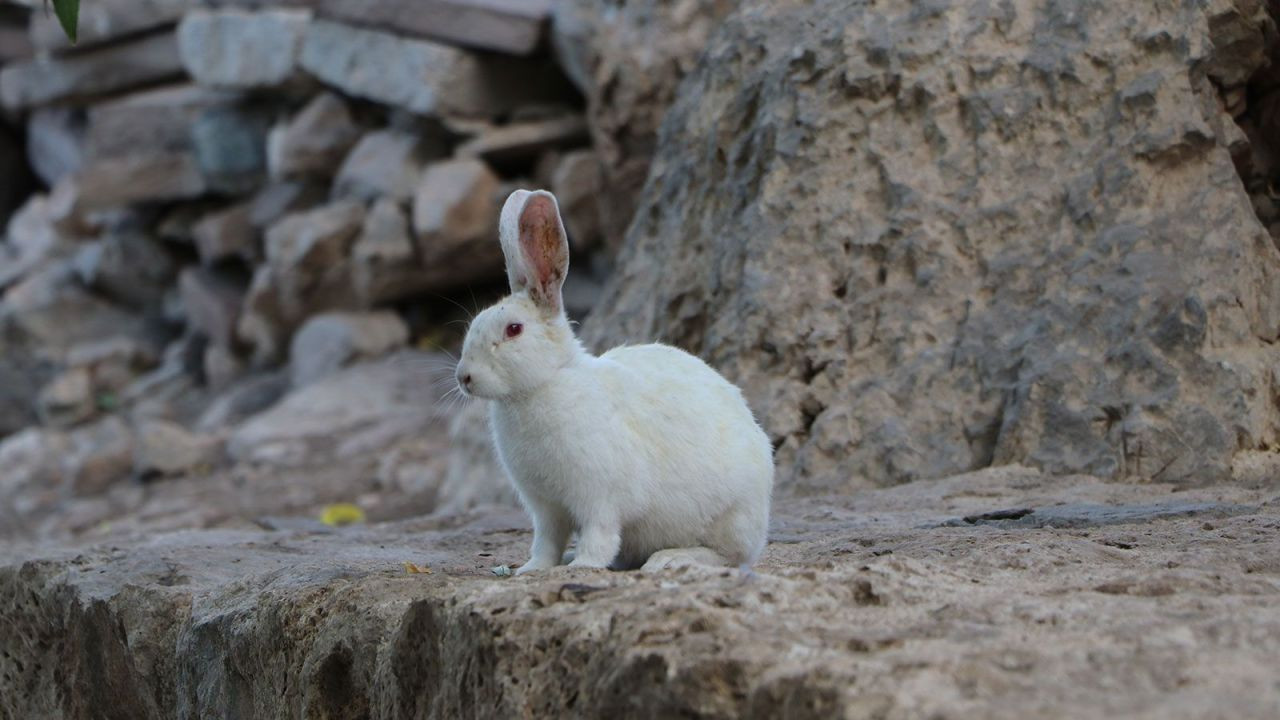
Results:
<point x="239" y="49"/>
<point x="913" y="274"/>
<point x="43" y="80"/>
<point x="509" y="26"/>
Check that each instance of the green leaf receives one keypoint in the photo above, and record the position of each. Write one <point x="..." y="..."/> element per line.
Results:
<point x="68" y="12"/>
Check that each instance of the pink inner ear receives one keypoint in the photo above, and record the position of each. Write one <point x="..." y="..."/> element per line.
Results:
<point x="542" y="247"/>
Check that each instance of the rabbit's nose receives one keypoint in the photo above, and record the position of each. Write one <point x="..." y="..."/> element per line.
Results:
<point x="464" y="379"/>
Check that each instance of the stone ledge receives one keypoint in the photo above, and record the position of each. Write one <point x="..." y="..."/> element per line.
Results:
<point x="854" y="609"/>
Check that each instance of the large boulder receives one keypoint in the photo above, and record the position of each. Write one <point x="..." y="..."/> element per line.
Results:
<point x="930" y="239"/>
<point x="424" y="77"/>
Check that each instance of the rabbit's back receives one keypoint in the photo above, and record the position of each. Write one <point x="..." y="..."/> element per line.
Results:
<point x="710" y="461"/>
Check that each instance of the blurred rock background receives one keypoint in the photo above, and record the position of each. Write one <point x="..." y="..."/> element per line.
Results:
<point x="242" y="238"/>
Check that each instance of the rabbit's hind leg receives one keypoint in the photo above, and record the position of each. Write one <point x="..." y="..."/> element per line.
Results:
<point x="683" y="557"/>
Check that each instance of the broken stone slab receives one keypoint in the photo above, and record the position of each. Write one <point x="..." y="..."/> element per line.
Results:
<point x="225" y="234"/>
<point x="359" y="408"/>
<point x="328" y="342"/>
<point x="382" y="163"/>
<point x="313" y="142"/>
<point x="424" y="77"/>
<point x="308" y="255"/>
<point x="44" y="80"/>
<point x="128" y="267"/>
<point x="234" y="48"/>
<point x="455" y="214"/>
<point x="307" y="270"/>
<point x="68" y="399"/>
<point x="32" y="239"/>
<point x="516" y="27"/>
<point x="56" y="142"/>
<point x="149" y="121"/>
<point x="163" y="448"/>
<point x="384" y="262"/>
<point x="212" y="304"/>
<point x="277" y="199"/>
<point x="49" y="312"/>
<point x="527" y="140"/>
<point x="150" y="177"/>
<point x="103" y="21"/>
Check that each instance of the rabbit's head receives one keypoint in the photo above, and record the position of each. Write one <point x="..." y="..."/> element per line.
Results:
<point x="517" y="345"/>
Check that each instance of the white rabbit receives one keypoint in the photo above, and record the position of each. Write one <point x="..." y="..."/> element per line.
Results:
<point x="642" y="449"/>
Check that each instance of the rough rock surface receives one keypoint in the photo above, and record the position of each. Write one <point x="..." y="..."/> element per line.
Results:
<point x="929" y="238"/>
<point x="628" y="58"/>
<point x="892" y="605"/>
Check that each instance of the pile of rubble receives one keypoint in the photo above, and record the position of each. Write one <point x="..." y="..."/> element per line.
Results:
<point x="242" y="201"/>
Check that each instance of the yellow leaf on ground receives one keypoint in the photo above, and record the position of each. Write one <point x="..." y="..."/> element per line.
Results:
<point x="416" y="569"/>
<point x="341" y="514"/>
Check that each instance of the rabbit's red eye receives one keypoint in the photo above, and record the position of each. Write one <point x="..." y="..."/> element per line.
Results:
<point x="514" y="329"/>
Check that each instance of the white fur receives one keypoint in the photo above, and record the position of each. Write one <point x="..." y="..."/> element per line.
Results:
<point x="641" y="449"/>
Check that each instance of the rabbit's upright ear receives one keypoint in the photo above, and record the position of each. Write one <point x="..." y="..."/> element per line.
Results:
<point x="535" y="246"/>
<point x="509" y="235"/>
